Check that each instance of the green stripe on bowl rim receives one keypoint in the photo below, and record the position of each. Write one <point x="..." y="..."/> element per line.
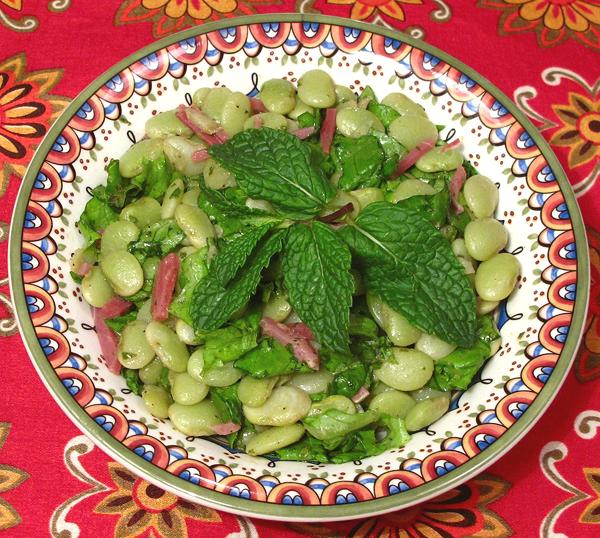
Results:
<point x="266" y="510"/>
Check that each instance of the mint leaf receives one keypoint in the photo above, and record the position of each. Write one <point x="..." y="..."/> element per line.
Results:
<point x="409" y="263"/>
<point x="132" y="378"/>
<point x="157" y="239"/>
<point x="96" y="216"/>
<point x="360" y="161"/>
<point x="234" y="254"/>
<point x="227" y="208"/>
<point x="276" y="166"/>
<point x="213" y="303"/>
<point x="385" y="114"/>
<point x="269" y="359"/>
<point x="316" y="272"/>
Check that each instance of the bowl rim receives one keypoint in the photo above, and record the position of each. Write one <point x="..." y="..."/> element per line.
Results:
<point x="221" y="501"/>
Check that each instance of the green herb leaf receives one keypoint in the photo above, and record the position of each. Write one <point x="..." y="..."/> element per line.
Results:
<point x="385" y="114"/>
<point x="276" y="166"/>
<point x="96" y="216"/>
<point x="213" y="304"/>
<point x="363" y="326"/>
<point x="360" y="161"/>
<point x="392" y="150"/>
<point x="132" y="378"/>
<point x="157" y="239"/>
<point x="235" y="253"/>
<point x="269" y="359"/>
<point x="227" y="208"/>
<point x="158" y="176"/>
<point x="227" y="403"/>
<point x="409" y="263"/>
<point x="316" y="269"/>
<point x="307" y="449"/>
<point x="456" y="370"/>
<point x="333" y="425"/>
<point x="193" y="269"/>
<point x="118" y="323"/>
<point x="230" y="343"/>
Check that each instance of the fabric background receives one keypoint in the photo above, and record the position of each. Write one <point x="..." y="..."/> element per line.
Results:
<point x="545" y="54"/>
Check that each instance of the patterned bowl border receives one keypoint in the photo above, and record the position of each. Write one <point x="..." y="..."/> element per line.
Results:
<point x="63" y="371"/>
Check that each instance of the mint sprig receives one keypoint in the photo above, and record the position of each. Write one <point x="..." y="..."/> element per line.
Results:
<point x="410" y="265"/>
<point x="316" y="273"/>
<point x="276" y="166"/>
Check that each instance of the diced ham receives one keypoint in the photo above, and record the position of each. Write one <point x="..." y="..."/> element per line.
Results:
<point x="328" y="129"/>
<point x="164" y="286"/>
<point x="200" y="155"/>
<point x="304" y="132"/>
<point x="360" y="395"/>
<point x="257" y="121"/>
<point x="84" y="268"/>
<point x="115" y="307"/>
<point x="301" y="330"/>
<point x="197" y="120"/>
<point x="295" y="336"/>
<point x="413" y="156"/>
<point x="222" y="135"/>
<point x="226" y="428"/>
<point x="106" y="337"/>
<point x="257" y="105"/>
<point x="455" y="185"/>
<point x="452" y="145"/>
<point x="305" y="353"/>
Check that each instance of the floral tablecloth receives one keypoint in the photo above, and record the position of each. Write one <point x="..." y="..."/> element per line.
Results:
<point x="545" y="54"/>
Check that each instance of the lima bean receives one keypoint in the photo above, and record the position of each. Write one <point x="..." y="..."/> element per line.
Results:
<point x="142" y="212"/>
<point x="278" y="308"/>
<point x="172" y="198"/>
<point x="286" y="405"/>
<point x="274" y="439"/>
<point x="214" y="102"/>
<point x="395" y="325"/>
<point x="123" y="271"/>
<point x="405" y="369"/>
<point x="278" y="95"/>
<point x="131" y="162"/>
<point x="367" y="196"/>
<point x="411" y="130"/>
<point x="433" y="346"/>
<point x="186" y="333"/>
<point x="411" y="187"/>
<point x="217" y="177"/>
<point x="426" y="412"/>
<point x="118" y="235"/>
<point x="195" y="224"/>
<point x="199" y="96"/>
<point x="195" y="366"/>
<point x="267" y="119"/>
<point x="392" y="402"/>
<point x="95" y="288"/>
<point x="440" y="158"/>
<point x="222" y="376"/>
<point x="151" y="373"/>
<point x="484" y="238"/>
<point x="166" y="124"/>
<point x="197" y="420"/>
<point x="317" y="89"/>
<point x="344" y="94"/>
<point x="356" y="122"/>
<point x="179" y="151"/>
<point x="157" y="400"/>
<point x="312" y="382"/>
<point x="337" y="401"/>
<point x="481" y="196"/>
<point x="496" y="278"/>
<point x="403" y="105"/>
<point x="169" y="349"/>
<point x="236" y="111"/>
<point x="134" y="350"/>
<point x="255" y="392"/>
<point x="188" y="391"/>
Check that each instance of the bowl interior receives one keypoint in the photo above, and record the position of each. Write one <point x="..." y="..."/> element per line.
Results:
<point x="540" y="323"/>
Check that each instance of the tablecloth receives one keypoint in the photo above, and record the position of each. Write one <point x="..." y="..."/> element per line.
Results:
<point x="545" y="54"/>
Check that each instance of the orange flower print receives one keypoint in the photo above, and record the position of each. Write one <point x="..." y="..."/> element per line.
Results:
<point x="462" y="512"/>
<point x="143" y="507"/>
<point x="10" y="478"/>
<point x="580" y="129"/>
<point x="169" y="16"/>
<point x="554" y="21"/>
<point x="363" y="9"/>
<point x="26" y="112"/>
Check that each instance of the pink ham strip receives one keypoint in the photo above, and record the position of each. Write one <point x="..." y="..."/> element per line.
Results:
<point x="257" y="122"/>
<point x="226" y="428"/>
<point x="328" y="129"/>
<point x="288" y="335"/>
<point x="257" y="105"/>
<point x="455" y="185"/>
<point x="303" y="133"/>
<point x="360" y="395"/>
<point x="222" y="135"/>
<point x="200" y="155"/>
<point x="301" y="330"/>
<point x="182" y="115"/>
<point x="84" y="268"/>
<point x="452" y="145"/>
<point x="413" y="156"/>
<point x="106" y="337"/>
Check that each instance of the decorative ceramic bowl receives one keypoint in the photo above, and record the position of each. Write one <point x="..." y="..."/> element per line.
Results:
<point x="541" y="323"/>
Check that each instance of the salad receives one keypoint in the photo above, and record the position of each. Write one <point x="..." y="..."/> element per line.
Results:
<point x="308" y="273"/>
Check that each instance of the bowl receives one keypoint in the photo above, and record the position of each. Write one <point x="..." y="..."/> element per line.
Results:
<point x="541" y="323"/>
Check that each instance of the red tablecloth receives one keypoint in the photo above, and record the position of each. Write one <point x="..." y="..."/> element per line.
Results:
<point x="543" y="53"/>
